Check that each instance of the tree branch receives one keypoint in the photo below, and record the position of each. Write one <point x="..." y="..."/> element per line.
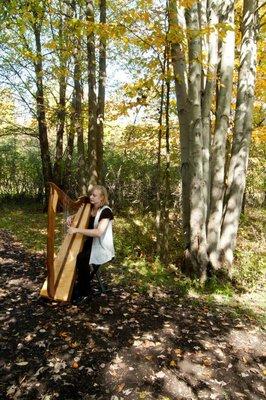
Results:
<point x="261" y="6"/>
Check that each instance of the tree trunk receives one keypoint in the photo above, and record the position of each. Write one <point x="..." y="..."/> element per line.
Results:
<point x="92" y="102"/>
<point x="219" y="141"/>
<point x="69" y="151"/>
<point x="198" y="245"/>
<point x="41" y="113"/>
<point x="79" y="121"/>
<point x="167" y="192"/>
<point x="159" y="230"/>
<point x="61" y="114"/>
<point x="208" y="95"/>
<point x="101" y="92"/>
<point x="242" y="131"/>
<point x="177" y="26"/>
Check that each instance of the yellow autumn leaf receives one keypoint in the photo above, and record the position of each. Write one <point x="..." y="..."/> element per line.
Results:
<point x="173" y="363"/>
<point x="63" y="334"/>
<point x="187" y="3"/>
<point x="178" y="352"/>
<point x="207" y="361"/>
<point x="120" y="387"/>
<point x="73" y="345"/>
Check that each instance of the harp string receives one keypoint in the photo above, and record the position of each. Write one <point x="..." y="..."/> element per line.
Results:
<point x="63" y="212"/>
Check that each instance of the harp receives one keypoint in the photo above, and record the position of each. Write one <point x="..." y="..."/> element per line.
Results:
<point x="61" y="269"/>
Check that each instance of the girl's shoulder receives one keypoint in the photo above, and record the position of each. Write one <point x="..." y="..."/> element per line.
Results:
<point x="106" y="212"/>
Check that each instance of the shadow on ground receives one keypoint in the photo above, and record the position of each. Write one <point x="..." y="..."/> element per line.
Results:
<point x="121" y="346"/>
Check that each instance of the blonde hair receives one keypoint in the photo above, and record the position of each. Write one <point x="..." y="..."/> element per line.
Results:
<point x="103" y="192"/>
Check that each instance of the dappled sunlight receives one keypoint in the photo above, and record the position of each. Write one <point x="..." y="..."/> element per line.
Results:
<point x="144" y="339"/>
<point x="252" y="341"/>
<point x="125" y="344"/>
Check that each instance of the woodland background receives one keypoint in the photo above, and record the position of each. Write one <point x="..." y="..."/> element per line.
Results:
<point x="157" y="101"/>
<point x="163" y="102"/>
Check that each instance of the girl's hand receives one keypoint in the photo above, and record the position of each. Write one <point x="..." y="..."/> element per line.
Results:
<point x="69" y="220"/>
<point x="71" y="230"/>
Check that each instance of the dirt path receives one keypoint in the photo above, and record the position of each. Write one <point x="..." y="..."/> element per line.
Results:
<point x="121" y="346"/>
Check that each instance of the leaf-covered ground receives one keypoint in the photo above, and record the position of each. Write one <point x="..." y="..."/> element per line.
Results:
<point x="121" y="346"/>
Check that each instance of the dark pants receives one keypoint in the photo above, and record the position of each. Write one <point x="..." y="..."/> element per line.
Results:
<point x="85" y="273"/>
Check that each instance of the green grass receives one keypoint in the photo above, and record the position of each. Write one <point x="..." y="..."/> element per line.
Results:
<point x="136" y="262"/>
<point x="250" y="255"/>
<point x="29" y="225"/>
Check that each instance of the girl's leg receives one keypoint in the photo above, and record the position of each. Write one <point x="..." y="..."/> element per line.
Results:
<point x="83" y="274"/>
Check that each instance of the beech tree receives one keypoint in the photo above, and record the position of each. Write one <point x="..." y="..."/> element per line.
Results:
<point x="212" y="192"/>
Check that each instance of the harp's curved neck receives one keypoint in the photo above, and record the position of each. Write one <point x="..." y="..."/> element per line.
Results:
<point x="65" y="200"/>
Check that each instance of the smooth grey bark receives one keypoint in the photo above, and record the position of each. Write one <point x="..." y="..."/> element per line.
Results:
<point x="167" y="167"/>
<point x="78" y="122"/>
<point x="203" y="23"/>
<point x="224" y="96"/>
<point x="177" y="27"/>
<point x="41" y="111"/>
<point x="158" y="219"/>
<point x="76" y="116"/>
<point x="101" y="92"/>
<point x="92" y="101"/>
<point x="242" y="131"/>
<point x="208" y="94"/>
<point x="69" y="150"/>
<point x="61" y="113"/>
<point x="198" y="245"/>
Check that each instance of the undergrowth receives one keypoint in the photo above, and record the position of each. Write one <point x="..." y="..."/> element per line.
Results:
<point x="135" y="242"/>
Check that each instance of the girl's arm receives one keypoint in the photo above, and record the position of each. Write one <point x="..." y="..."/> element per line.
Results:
<point x="96" y="232"/>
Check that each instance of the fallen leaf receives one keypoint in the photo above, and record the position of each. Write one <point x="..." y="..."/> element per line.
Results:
<point x="120" y="387"/>
<point x="160" y="374"/>
<point x="63" y="334"/>
<point x="137" y="343"/>
<point x="207" y="361"/>
<point x="173" y="363"/>
<point x="74" y="365"/>
<point x="73" y="345"/>
<point x="178" y="352"/>
<point x="127" y="391"/>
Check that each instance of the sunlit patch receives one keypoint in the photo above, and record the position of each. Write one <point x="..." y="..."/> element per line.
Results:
<point x="252" y="342"/>
<point x="3" y="293"/>
<point x="20" y="282"/>
<point x="5" y="261"/>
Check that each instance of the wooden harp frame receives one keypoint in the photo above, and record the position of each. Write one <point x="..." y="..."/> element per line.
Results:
<point x="61" y="269"/>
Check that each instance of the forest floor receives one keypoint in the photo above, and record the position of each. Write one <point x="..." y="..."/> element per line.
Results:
<point x="123" y="345"/>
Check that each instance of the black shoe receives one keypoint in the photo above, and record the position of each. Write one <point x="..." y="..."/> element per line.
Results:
<point x="81" y="300"/>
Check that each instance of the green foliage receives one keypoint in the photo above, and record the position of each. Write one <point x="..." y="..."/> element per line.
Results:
<point x="27" y="223"/>
<point x="251" y="269"/>
<point x="250" y="259"/>
<point x="136" y="263"/>
<point x="256" y="183"/>
<point x="20" y="168"/>
<point x="218" y="286"/>
<point x="131" y="173"/>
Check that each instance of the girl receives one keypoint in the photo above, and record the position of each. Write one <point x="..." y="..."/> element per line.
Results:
<point x="98" y="247"/>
